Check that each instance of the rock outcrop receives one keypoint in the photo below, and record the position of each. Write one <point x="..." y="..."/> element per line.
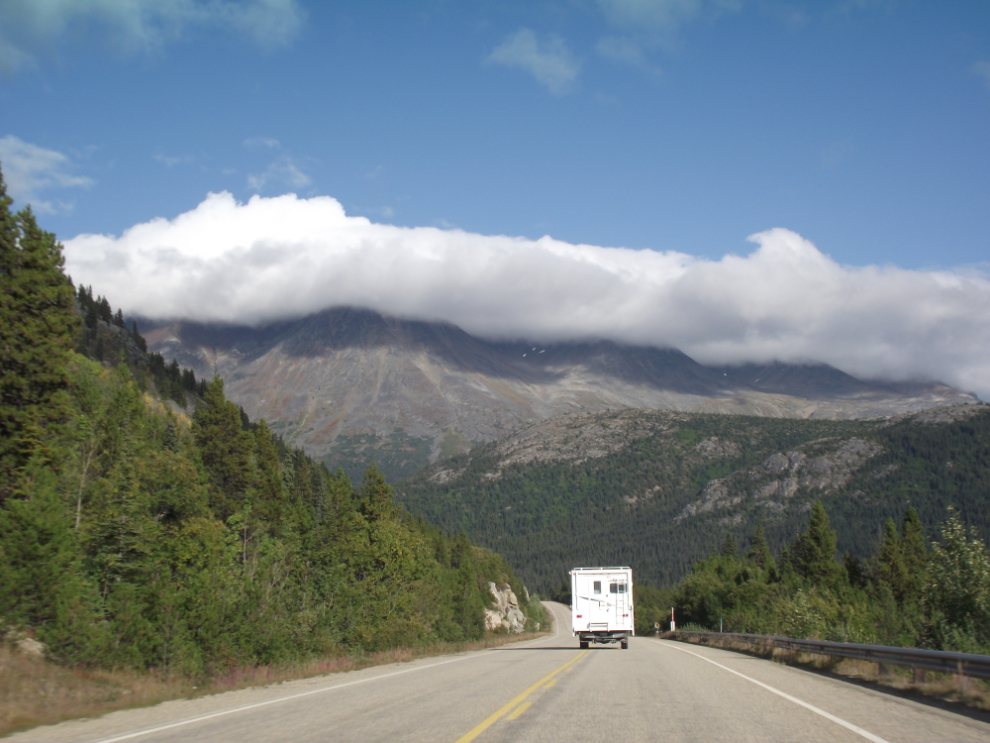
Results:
<point x="506" y="613"/>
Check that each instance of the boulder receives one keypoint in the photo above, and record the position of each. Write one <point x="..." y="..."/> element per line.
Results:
<point x="493" y="620"/>
<point x="516" y="620"/>
<point x="506" y="608"/>
<point x="25" y="644"/>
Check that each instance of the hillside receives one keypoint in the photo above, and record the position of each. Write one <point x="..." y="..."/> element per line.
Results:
<point x="658" y="490"/>
<point x="351" y="386"/>
<point x="143" y="529"/>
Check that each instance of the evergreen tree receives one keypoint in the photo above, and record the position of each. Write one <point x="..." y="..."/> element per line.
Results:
<point x="729" y="548"/>
<point x="759" y="551"/>
<point x="378" y="499"/>
<point x="41" y="582"/>
<point x="37" y="332"/>
<point x="813" y="554"/>
<point x="914" y="554"/>
<point x="854" y="570"/>
<point x="901" y="560"/>
<point x="888" y="564"/>
<point x="225" y="449"/>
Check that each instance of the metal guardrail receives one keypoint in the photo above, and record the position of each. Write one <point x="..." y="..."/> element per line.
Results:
<point x="963" y="664"/>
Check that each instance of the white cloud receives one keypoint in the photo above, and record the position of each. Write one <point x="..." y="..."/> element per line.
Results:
<point x="659" y="17"/>
<point x="275" y="258"/>
<point x="33" y="28"/>
<point x="658" y="22"/>
<point x="282" y="172"/>
<point x="170" y="162"/>
<point x="269" y="142"/>
<point x="28" y="170"/>
<point x="982" y="68"/>
<point x="626" y="51"/>
<point x="549" y="62"/>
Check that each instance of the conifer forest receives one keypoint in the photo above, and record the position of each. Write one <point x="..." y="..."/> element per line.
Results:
<point x="147" y="523"/>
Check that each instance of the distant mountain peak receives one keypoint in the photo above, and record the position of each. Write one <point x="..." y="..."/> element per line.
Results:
<point x="353" y="386"/>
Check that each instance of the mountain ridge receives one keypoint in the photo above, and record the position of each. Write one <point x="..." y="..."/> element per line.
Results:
<point x="657" y="490"/>
<point x="353" y="386"/>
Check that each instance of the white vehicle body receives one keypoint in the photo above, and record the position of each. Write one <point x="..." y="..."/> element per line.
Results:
<point x="602" y="605"/>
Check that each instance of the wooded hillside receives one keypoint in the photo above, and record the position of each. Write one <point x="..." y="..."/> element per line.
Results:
<point x="136" y="532"/>
<point x="658" y="490"/>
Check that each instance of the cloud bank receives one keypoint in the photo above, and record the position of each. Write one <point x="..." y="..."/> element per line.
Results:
<point x="284" y="257"/>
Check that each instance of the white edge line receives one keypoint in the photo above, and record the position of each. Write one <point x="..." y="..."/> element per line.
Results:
<point x="190" y="721"/>
<point x="827" y="715"/>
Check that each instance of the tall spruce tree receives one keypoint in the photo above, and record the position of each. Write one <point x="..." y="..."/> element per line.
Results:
<point x="37" y="332"/>
<point x="759" y="551"/>
<point x="729" y="548"/>
<point x="225" y="448"/>
<point x="813" y="554"/>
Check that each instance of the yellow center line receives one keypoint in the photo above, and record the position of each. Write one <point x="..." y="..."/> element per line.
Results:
<point x="519" y="710"/>
<point x="492" y="719"/>
<point x="552" y="682"/>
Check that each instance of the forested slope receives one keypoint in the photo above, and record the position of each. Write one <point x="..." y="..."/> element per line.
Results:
<point x="135" y="534"/>
<point x="658" y="490"/>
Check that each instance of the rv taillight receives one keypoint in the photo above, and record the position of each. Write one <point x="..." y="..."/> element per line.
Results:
<point x="578" y="616"/>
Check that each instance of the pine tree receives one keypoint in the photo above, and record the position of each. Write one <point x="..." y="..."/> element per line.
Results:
<point x="813" y="554"/>
<point x="225" y="449"/>
<point x="888" y="564"/>
<point x="901" y="560"/>
<point x="378" y="499"/>
<point x="271" y="497"/>
<point x="915" y="555"/>
<point x="41" y="580"/>
<point x="37" y="332"/>
<point x="759" y="551"/>
<point x="729" y="548"/>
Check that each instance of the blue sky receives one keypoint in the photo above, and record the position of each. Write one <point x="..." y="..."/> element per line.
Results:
<point x="865" y="126"/>
<point x="672" y="125"/>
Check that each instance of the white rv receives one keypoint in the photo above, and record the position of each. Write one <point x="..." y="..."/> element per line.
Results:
<point x="602" y="605"/>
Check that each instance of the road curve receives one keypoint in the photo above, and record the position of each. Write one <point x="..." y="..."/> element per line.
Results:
<point x="545" y="690"/>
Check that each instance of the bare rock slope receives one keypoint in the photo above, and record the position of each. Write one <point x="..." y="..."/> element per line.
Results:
<point x="353" y="386"/>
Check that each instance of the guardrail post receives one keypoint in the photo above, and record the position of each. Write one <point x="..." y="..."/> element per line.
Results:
<point x="919" y="675"/>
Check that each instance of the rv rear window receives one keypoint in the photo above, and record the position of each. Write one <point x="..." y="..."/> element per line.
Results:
<point x="614" y="588"/>
<point x="622" y="588"/>
<point x="598" y="586"/>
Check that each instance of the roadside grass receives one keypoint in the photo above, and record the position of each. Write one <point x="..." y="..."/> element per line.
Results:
<point x="965" y="690"/>
<point x="35" y="691"/>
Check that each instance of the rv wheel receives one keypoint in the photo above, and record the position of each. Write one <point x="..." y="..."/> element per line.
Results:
<point x="584" y="644"/>
<point x="625" y="644"/>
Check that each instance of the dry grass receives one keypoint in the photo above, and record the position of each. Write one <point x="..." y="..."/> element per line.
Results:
<point x="34" y="691"/>
<point x="949" y="687"/>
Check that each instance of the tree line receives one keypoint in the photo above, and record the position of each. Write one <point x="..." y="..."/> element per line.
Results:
<point x="134" y="535"/>
<point x="905" y="594"/>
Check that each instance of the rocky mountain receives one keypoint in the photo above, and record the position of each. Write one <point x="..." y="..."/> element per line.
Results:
<point x="352" y="386"/>
<point x="657" y="490"/>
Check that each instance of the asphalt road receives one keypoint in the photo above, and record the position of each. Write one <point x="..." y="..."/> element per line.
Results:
<point x="547" y="690"/>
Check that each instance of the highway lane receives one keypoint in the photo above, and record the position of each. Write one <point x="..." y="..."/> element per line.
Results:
<point x="547" y="690"/>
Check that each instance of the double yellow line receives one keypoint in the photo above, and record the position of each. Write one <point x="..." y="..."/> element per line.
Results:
<point x="492" y="719"/>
